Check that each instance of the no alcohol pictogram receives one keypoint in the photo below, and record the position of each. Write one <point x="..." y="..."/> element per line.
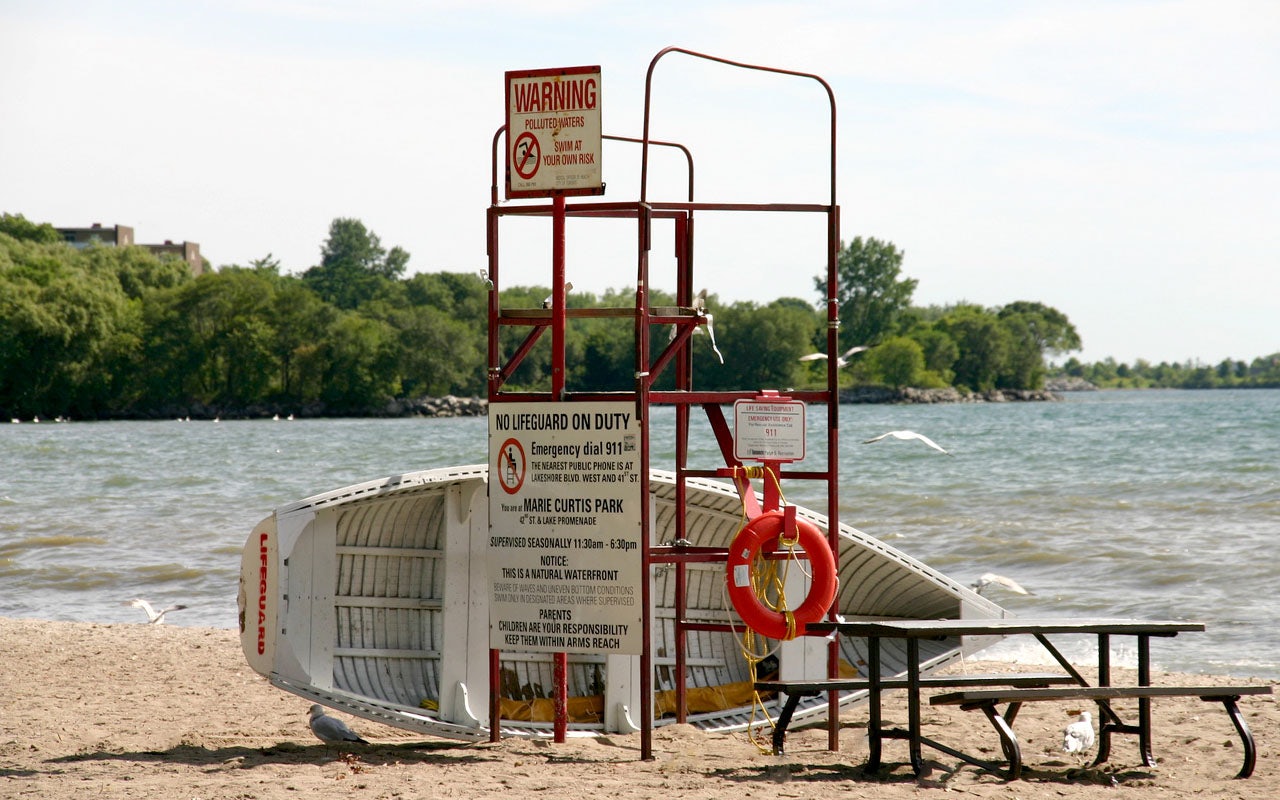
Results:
<point x="526" y="155"/>
<point x="511" y="466"/>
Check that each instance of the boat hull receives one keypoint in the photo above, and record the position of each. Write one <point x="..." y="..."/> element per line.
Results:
<point x="374" y="599"/>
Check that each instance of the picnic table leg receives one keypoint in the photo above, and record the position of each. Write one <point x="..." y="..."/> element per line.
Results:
<point x="913" y="706"/>
<point x="784" y="719"/>
<point x="1242" y="728"/>
<point x="1008" y="740"/>
<point x="873" y="704"/>
<point x="1106" y="717"/>
<point x="1144" y="703"/>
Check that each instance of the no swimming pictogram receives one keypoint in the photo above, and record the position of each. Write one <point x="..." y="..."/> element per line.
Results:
<point x="526" y="155"/>
<point x="511" y="466"/>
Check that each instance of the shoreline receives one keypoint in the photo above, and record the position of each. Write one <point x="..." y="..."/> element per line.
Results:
<point x="135" y="710"/>
<point x="452" y="406"/>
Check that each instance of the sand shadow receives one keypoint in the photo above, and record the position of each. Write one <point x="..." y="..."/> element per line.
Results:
<point x="427" y="753"/>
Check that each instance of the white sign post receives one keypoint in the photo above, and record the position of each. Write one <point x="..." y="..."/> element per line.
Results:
<point x="564" y="528"/>
<point x="554" y="137"/>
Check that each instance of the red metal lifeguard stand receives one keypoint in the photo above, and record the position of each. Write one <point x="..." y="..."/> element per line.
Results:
<point x="650" y="362"/>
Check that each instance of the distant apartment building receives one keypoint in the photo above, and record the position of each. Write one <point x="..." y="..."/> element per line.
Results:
<point x="122" y="236"/>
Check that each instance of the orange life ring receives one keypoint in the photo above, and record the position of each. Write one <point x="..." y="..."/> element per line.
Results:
<point x="762" y="533"/>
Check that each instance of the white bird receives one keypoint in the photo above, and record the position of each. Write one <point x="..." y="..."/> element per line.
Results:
<point x="841" y="361"/>
<point x="153" y="617"/>
<point x="711" y="331"/>
<point x="331" y="730"/>
<point x="568" y="287"/>
<point x="700" y="307"/>
<point x="1078" y="736"/>
<point x="906" y="436"/>
<point x="989" y="578"/>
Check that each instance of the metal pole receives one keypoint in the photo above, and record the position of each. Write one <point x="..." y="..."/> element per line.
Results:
<point x="561" y="660"/>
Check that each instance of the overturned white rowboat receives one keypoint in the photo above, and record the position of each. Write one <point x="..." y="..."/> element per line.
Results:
<point x="374" y="599"/>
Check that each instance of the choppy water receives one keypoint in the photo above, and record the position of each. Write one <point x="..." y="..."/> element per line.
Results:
<point x="1150" y="504"/>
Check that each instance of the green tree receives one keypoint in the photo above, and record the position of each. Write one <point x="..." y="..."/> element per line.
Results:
<point x="301" y="321"/>
<point x="19" y="227"/>
<point x="361" y="368"/>
<point x="1052" y="331"/>
<point x="983" y="345"/>
<point x="61" y="320"/>
<point x="872" y="295"/>
<point x="898" y="361"/>
<point x="940" y="353"/>
<point x="354" y="267"/>
<point x="139" y="270"/>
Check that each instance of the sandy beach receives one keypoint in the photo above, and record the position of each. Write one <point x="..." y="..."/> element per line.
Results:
<point x="140" y="711"/>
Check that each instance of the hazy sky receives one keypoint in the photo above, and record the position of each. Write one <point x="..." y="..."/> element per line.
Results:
<point x="1117" y="160"/>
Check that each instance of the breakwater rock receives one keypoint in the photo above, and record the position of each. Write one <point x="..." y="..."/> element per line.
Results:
<point x="447" y="406"/>
<point x="1067" y="384"/>
<point x="880" y="394"/>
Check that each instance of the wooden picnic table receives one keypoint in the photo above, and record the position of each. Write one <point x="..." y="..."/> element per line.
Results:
<point x="913" y="630"/>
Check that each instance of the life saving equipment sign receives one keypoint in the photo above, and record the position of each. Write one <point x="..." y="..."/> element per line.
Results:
<point x="769" y="429"/>
<point x="553" y="132"/>
<point x="564" y="528"/>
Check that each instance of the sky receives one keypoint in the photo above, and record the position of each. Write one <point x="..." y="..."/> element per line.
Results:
<point x="1118" y="161"/>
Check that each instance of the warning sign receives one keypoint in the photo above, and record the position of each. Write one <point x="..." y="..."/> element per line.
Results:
<point x="564" y="529"/>
<point x="553" y="132"/>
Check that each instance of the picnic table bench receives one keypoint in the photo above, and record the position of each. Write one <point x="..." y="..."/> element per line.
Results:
<point x="798" y="689"/>
<point x="1108" y="722"/>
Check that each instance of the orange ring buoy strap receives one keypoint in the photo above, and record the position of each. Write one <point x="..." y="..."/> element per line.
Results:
<point x="762" y="533"/>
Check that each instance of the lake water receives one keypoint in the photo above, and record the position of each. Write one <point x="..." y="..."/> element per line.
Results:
<point x="1159" y="504"/>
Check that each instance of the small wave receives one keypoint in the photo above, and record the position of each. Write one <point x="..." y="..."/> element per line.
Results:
<point x="121" y="481"/>
<point x="40" y="542"/>
<point x="63" y="578"/>
<point x="163" y="573"/>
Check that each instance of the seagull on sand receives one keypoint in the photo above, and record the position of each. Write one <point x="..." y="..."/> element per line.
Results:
<point x="153" y="617"/>
<point x="989" y="578"/>
<point x="906" y="436"/>
<point x="1078" y="736"/>
<point x="331" y="730"/>
<point x="841" y="361"/>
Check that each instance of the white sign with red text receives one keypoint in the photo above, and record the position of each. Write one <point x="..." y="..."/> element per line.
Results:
<point x="554" y="137"/>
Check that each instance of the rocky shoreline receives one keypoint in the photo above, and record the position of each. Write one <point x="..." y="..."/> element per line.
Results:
<point x="453" y="406"/>
<point x="909" y="396"/>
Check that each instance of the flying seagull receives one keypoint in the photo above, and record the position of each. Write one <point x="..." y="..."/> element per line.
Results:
<point x="331" y="730"/>
<point x="907" y="435"/>
<point x="153" y="617"/>
<point x="568" y="287"/>
<point x="842" y="361"/>
<point x="711" y="331"/>
<point x="700" y="307"/>
<point x="1078" y="736"/>
<point x="989" y="578"/>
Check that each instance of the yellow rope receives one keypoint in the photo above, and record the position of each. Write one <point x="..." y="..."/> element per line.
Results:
<point x="764" y="578"/>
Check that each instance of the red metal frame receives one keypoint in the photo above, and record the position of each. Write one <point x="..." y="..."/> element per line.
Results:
<point x="677" y="355"/>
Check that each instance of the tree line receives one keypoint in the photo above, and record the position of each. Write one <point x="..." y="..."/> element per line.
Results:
<point x="117" y="332"/>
